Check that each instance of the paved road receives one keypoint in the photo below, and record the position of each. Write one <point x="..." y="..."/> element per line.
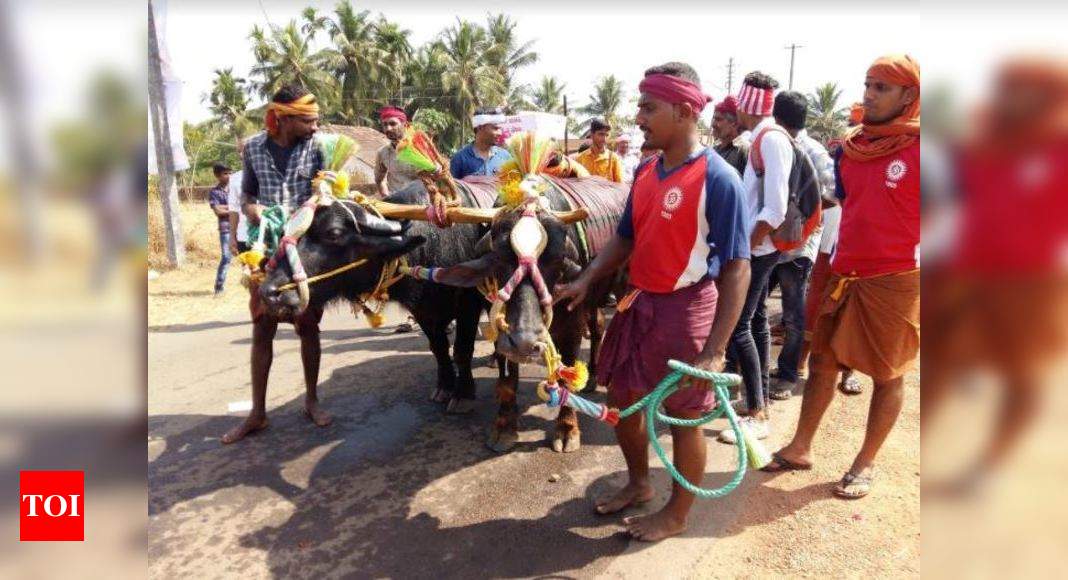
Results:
<point x="394" y="488"/>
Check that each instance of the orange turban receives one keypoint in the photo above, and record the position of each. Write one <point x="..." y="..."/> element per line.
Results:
<point x="305" y="105"/>
<point x="1043" y="83"/>
<point x="865" y="141"/>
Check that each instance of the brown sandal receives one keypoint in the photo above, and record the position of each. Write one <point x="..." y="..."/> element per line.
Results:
<point x="781" y="464"/>
<point x="853" y="486"/>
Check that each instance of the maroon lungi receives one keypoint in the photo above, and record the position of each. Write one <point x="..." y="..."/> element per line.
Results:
<point x="652" y="330"/>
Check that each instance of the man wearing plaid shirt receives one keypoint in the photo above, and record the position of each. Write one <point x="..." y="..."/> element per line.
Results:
<point x="279" y="165"/>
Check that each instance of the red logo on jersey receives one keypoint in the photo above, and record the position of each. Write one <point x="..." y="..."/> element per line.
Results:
<point x="51" y="506"/>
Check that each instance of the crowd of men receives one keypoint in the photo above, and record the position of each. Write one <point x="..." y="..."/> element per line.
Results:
<point x="699" y="237"/>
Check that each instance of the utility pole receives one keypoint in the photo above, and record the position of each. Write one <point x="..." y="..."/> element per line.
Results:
<point x="565" y="126"/>
<point x="793" y="48"/>
<point x="730" y="75"/>
<point x="168" y="189"/>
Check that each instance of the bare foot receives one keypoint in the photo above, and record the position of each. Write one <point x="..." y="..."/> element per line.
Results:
<point x="318" y="416"/>
<point x="654" y="527"/>
<point x="249" y="426"/>
<point x="633" y="494"/>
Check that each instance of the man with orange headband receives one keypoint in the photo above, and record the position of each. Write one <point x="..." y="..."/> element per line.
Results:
<point x="869" y="318"/>
<point x="279" y="165"/>
<point x="390" y="174"/>
<point x="685" y="232"/>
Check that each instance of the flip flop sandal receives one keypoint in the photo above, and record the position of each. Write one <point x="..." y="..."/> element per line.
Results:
<point x="851" y="386"/>
<point x="853" y="486"/>
<point x="783" y="464"/>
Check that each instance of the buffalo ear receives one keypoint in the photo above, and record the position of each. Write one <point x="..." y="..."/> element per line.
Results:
<point x="570" y="250"/>
<point x="468" y="274"/>
<point x="484" y="245"/>
<point x="570" y="271"/>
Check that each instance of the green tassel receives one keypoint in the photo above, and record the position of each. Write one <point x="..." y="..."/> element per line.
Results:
<point x="758" y="455"/>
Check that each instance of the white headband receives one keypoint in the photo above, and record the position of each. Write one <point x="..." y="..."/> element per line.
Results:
<point x="479" y="120"/>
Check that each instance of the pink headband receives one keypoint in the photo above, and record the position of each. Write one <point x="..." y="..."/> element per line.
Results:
<point x="754" y="101"/>
<point x="392" y="113"/>
<point x="674" y="90"/>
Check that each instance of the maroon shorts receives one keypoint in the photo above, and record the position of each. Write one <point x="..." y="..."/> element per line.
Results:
<point x="652" y="330"/>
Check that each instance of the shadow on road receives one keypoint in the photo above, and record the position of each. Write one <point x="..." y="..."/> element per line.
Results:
<point x="179" y="328"/>
<point x="365" y="497"/>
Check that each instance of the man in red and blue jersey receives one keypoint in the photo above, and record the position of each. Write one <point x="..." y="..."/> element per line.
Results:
<point x="685" y="231"/>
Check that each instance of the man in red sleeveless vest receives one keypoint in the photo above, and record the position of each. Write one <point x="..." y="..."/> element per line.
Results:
<point x="869" y="318"/>
<point x="685" y="231"/>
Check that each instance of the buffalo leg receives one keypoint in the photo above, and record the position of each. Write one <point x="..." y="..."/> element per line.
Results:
<point x="567" y="436"/>
<point x="505" y="432"/>
<point x="470" y="308"/>
<point x="596" y="326"/>
<point x="435" y="331"/>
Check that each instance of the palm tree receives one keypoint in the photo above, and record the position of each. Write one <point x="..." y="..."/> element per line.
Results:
<point x="605" y="101"/>
<point x="505" y="53"/>
<point x="396" y="49"/>
<point x="549" y="96"/>
<point x="286" y="57"/>
<point x="826" y="120"/>
<point x="229" y="101"/>
<point x="469" y="80"/>
<point x="356" y="58"/>
<point x="313" y="22"/>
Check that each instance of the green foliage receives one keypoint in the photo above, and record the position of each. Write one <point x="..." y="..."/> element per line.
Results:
<point x="206" y="144"/>
<point x="826" y="120"/>
<point x="549" y="96"/>
<point x="605" y="101"/>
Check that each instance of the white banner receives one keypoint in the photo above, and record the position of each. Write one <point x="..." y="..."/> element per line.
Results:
<point x="547" y="124"/>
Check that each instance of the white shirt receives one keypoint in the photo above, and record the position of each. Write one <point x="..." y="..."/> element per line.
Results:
<point x="630" y="163"/>
<point x="778" y="154"/>
<point x="831" y="218"/>
<point x="233" y="203"/>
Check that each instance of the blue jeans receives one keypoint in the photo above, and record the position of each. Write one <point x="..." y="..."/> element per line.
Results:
<point x="751" y="341"/>
<point x="224" y="260"/>
<point x="793" y="279"/>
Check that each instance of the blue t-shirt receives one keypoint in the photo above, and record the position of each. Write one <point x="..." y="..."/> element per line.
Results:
<point x="467" y="162"/>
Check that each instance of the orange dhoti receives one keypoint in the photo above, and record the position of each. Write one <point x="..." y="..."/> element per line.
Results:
<point x="871" y="325"/>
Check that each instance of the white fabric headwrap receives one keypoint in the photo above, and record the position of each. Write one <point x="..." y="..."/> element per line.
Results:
<point x="479" y="120"/>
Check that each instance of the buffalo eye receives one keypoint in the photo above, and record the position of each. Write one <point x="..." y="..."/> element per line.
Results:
<point x="333" y="234"/>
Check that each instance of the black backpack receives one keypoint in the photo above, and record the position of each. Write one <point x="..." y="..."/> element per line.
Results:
<point x="804" y="206"/>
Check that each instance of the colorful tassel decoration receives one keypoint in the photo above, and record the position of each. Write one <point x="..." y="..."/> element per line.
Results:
<point x="758" y="455"/>
<point x="337" y="150"/>
<point x="575" y="377"/>
<point x="417" y="150"/>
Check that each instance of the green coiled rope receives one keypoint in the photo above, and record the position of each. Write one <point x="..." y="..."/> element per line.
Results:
<point x="654" y="400"/>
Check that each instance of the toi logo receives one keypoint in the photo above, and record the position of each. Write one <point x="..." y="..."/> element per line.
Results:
<point x="51" y="506"/>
